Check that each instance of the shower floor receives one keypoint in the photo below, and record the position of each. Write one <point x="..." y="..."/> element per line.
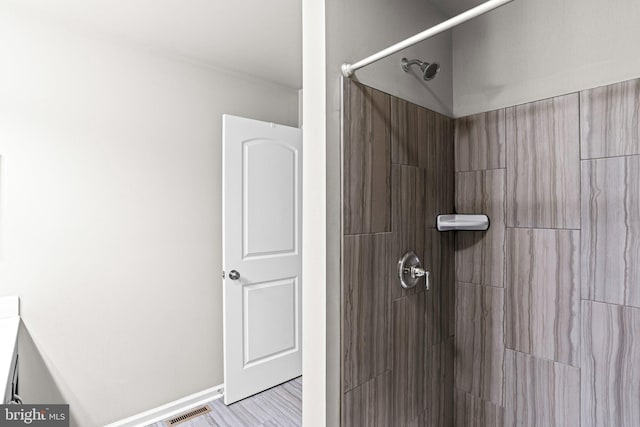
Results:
<point x="280" y="406"/>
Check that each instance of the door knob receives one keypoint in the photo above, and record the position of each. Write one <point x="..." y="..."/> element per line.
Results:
<point x="234" y="275"/>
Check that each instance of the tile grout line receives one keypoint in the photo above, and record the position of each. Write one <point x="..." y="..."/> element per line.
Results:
<point x="544" y="359"/>
<point x="609" y="303"/>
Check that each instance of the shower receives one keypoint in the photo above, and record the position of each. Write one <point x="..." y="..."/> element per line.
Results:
<point x="429" y="70"/>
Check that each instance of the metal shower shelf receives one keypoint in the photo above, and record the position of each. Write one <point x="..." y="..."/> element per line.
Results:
<point x="458" y="222"/>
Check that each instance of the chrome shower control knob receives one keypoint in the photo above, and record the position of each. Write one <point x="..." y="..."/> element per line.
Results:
<point x="234" y="275"/>
<point x="417" y="271"/>
<point x="410" y="271"/>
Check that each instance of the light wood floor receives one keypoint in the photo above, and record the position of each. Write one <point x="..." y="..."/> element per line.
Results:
<point x="279" y="406"/>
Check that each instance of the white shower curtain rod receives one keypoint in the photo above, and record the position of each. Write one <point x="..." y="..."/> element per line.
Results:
<point x="349" y="69"/>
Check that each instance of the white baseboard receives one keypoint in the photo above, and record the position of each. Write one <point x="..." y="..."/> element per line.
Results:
<point x="170" y="409"/>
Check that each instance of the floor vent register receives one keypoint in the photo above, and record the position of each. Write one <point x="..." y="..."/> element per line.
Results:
<point x="188" y="415"/>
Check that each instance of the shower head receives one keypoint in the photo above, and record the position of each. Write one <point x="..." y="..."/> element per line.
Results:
<point x="429" y="70"/>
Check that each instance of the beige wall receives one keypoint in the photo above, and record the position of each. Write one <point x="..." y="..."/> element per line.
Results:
<point x="535" y="49"/>
<point x="111" y="214"/>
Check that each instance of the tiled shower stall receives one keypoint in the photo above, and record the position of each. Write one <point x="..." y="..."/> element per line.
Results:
<point x="535" y="322"/>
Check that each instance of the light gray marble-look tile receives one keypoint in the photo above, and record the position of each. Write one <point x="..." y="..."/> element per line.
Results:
<point x="543" y="293"/>
<point x="479" y="341"/>
<point x="366" y="316"/>
<point x="611" y="230"/>
<point x="609" y="120"/>
<point x="480" y="141"/>
<point x="224" y="416"/>
<point x="204" y="420"/>
<point x="543" y="164"/>
<point x="279" y="421"/>
<point x="480" y="254"/>
<point x="366" y="160"/>
<point x="280" y="406"/>
<point x="369" y="405"/>
<point x="283" y="402"/>
<point x="540" y="393"/>
<point x="471" y="411"/>
<point x="610" y="365"/>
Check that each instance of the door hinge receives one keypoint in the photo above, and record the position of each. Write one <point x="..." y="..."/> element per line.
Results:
<point x="223" y="275"/>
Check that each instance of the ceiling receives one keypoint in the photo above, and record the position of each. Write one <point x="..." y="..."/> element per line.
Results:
<point x="260" y="38"/>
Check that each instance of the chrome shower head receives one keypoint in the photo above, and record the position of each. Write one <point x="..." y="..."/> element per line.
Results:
<point x="429" y="70"/>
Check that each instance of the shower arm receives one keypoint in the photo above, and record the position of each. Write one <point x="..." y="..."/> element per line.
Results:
<point x="349" y="69"/>
<point x="406" y="63"/>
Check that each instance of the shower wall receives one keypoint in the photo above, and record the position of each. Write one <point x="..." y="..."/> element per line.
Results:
<point x="548" y="300"/>
<point x="397" y="345"/>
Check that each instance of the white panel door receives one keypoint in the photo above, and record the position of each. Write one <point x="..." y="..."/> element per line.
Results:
<point x="261" y="237"/>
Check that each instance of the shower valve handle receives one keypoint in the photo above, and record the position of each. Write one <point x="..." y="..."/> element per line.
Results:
<point x="410" y="271"/>
<point x="419" y="272"/>
<point x="416" y="271"/>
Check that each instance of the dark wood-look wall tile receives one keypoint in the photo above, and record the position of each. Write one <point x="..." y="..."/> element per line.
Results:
<point x="543" y="293"/>
<point x="405" y="133"/>
<point x="479" y="341"/>
<point x="419" y="184"/>
<point x="543" y="173"/>
<point x="480" y="141"/>
<point x="367" y="160"/>
<point x="471" y="411"/>
<point x="426" y="128"/>
<point x="366" y="289"/>
<point x="610" y="120"/>
<point x="439" y="412"/>
<point x="611" y="230"/>
<point x="421" y="420"/>
<point x="369" y="405"/>
<point x="480" y="255"/>
<point x="438" y="395"/>
<point x="439" y="257"/>
<point x="409" y="376"/>
<point x="610" y="374"/>
<point x="540" y="393"/>
<point x="408" y="221"/>
<point x="436" y="157"/>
